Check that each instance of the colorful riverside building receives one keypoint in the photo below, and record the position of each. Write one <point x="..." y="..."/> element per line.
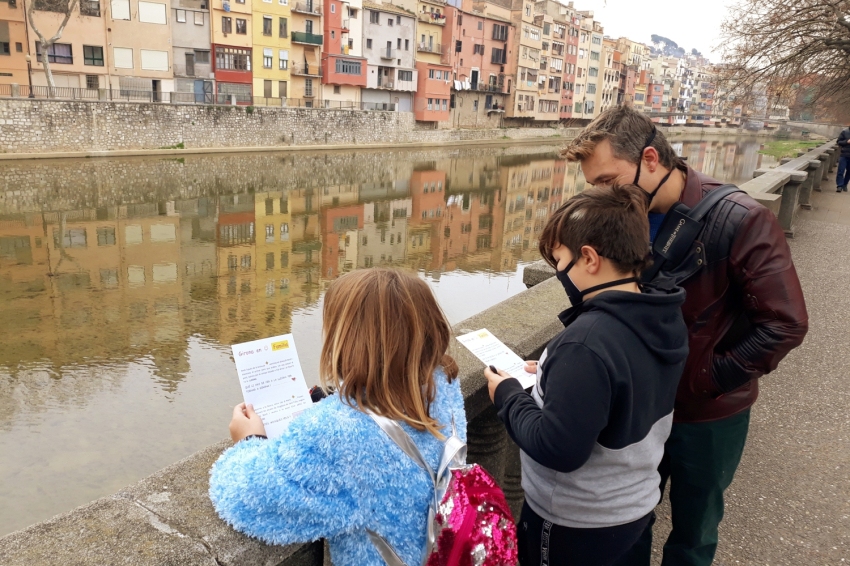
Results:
<point x="270" y="50"/>
<point x="232" y="46"/>
<point x="389" y="47"/>
<point x="13" y="43"/>
<point x="563" y="52"/>
<point x="343" y="66"/>
<point x="306" y="55"/>
<point x="192" y="50"/>
<point x="433" y="92"/>
<point x="477" y="43"/>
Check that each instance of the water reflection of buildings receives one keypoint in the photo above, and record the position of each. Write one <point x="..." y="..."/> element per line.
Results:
<point x="134" y="282"/>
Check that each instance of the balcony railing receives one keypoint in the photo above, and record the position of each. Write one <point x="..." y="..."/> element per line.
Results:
<point x="308" y="8"/>
<point x="485" y="87"/>
<point x="386" y="84"/>
<point x="428" y="48"/>
<point x="345" y="25"/>
<point x="304" y="37"/>
<point x="307" y="70"/>
<point x="432" y="18"/>
<point x="388" y="53"/>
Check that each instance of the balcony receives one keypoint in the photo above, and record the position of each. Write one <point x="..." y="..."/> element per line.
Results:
<point x="388" y="53"/>
<point x="305" y="70"/>
<point x="386" y="84"/>
<point x="308" y="38"/>
<point x="427" y="48"/>
<point x="345" y="26"/>
<point x="485" y="87"/>
<point x="432" y="18"/>
<point x="308" y="8"/>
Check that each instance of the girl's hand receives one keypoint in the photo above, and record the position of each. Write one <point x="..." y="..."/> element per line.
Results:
<point x="245" y="422"/>
<point x="494" y="379"/>
<point x="531" y="366"/>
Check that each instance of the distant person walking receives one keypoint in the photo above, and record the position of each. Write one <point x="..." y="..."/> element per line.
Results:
<point x="843" y="175"/>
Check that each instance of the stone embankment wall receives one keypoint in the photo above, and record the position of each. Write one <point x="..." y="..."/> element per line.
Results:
<point x="48" y="126"/>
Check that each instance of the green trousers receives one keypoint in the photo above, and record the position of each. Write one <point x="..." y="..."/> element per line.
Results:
<point x="699" y="462"/>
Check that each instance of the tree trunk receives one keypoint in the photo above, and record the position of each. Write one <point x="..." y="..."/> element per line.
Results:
<point x="45" y="60"/>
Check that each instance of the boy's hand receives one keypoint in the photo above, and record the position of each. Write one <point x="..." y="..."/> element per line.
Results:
<point x="245" y="422"/>
<point x="494" y="379"/>
<point x="531" y="366"/>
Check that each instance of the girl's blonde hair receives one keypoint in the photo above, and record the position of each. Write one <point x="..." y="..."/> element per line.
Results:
<point x="384" y="336"/>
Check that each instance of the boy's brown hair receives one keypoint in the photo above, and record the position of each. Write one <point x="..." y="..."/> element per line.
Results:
<point x="384" y="336"/>
<point x="611" y="220"/>
<point x="627" y="130"/>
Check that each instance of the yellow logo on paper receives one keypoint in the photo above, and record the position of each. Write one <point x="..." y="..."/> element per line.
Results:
<point x="483" y="334"/>
<point x="282" y="345"/>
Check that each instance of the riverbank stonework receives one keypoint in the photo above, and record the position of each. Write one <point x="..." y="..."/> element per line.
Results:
<point x="46" y="126"/>
<point x="54" y="126"/>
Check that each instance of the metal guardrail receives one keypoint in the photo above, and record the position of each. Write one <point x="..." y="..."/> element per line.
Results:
<point x="118" y="95"/>
<point x="304" y="37"/>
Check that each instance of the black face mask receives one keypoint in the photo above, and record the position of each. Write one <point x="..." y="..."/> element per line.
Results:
<point x="576" y="297"/>
<point x="646" y="145"/>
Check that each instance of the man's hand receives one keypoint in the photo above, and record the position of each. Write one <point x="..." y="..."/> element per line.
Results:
<point x="494" y="379"/>
<point x="531" y="366"/>
<point x="245" y="422"/>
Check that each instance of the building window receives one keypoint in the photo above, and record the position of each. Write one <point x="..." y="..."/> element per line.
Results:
<point x="283" y="59"/>
<point x="458" y="46"/>
<point x="398" y="20"/>
<point x="267" y="25"/>
<point x="92" y="82"/>
<point x="283" y="27"/>
<point x="106" y="236"/>
<point x="594" y="56"/>
<point x="430" y="73"/>
<point x="405" y="75"/>
<point x="430" y="103"/>
<point x="478" y="49"/>
<point x="333" y="34"/>
<point x="93" y="55"/>
<point x="337" y="89"/>
<point x="390" y="22"/>
<point x="226" y="24"/>
<point x="368" y="44"/>
<point x="346" y="67"/>
<point x="232" y="59"/>
<point x="268" y="59"/>
<point x="241" y="26"/>
<point x="56" y="53"/>
<point x="407" y="45"/>
<point x="202" y="57"/>
<point x="181" y="16"/>
<point x="308" y="26"/>
<point x="499" y="56"/>
<point x="333" y="8"/>
<point x="308" y="87"/>
<point x="500" y="32"/>
<point x="199" y="18"/>
<point x="190" y="64"/>
<point x="398" y="43"/>
<point x="374" y="17"/>
<point x="281" y="92"/>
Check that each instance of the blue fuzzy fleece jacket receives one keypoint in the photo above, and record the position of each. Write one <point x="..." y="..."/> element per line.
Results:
<point x="333" y="474"/>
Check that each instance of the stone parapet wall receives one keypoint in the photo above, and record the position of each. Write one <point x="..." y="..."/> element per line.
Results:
<point x="50" y="126"/>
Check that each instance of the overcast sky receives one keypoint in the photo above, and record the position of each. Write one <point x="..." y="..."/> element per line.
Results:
<point x="687" y="22"/>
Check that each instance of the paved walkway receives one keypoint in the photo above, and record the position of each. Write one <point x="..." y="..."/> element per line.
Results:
<point x="790" y="501"/>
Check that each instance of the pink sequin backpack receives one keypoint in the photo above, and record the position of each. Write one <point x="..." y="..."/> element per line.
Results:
<point x="469" y="521"/>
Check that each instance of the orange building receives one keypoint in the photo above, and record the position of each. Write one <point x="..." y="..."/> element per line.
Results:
<point x="341" y="67"/>
<point x="433" y="92"/>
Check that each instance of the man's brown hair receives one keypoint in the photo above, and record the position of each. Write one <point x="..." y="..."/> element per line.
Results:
<point x="611" y="220"/>
<point x="384" y="336"/>
<point x="627" y="130"/>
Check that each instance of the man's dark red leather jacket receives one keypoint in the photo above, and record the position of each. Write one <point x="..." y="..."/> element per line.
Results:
<point x="744" y="308"/>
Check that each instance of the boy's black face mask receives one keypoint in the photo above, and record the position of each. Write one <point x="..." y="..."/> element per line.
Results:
<point x="646" y="145"/>
<point x="575" y="295"/>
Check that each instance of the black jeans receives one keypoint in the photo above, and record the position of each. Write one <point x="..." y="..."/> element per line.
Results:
<point x="700" y="460"/>
<point x="542" y="543"/>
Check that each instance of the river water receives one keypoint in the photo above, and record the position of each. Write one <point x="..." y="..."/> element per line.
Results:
<point x="123" y="283"/>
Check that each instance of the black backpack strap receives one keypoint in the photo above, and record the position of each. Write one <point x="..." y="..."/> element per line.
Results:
<point x="708" y="202"/>
<point x="686" y="230"/>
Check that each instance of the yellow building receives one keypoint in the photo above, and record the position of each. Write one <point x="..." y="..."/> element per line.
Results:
<point x="271" y="49"/>
<point x="306" y="53"/>
<point x="232" y="45"/>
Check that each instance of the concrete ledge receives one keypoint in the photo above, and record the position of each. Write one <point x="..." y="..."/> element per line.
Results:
<point x="537" y="273"/>
<point x="167" y="518"/>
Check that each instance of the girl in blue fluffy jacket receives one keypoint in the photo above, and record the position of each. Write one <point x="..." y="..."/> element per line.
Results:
<point x="334" y="473"/>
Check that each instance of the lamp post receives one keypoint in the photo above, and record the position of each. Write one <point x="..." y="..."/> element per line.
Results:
<point x="29" y="74"/>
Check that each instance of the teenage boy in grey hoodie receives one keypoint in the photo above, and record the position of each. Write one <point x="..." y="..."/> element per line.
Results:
<point x="592" y="430"/>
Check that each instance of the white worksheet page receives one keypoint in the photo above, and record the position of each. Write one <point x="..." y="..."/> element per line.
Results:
<point x="493" y="352"/>
<point x="272" y="381"/>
